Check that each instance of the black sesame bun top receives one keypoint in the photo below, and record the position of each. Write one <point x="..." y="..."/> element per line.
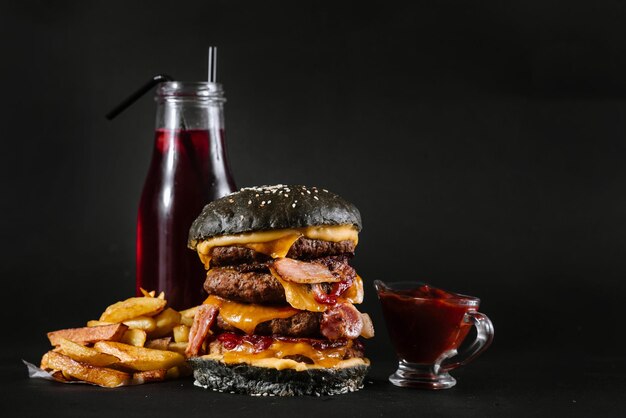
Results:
<point x="265" y="208"/>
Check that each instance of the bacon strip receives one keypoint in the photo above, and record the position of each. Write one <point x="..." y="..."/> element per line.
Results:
<point x="368" y="326"/>
<point x="341" y="321"/>
<point x="202" y="322"/>
<point x="302" y="272"/>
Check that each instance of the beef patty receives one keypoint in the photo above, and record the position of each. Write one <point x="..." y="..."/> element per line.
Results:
<point x="253" y="283"/>
<point x="302" y="249"/>
<point x="250" y="287"/>
<point x="302" y="324"/>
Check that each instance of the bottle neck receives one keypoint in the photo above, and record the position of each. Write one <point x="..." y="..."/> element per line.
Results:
<point x="190" y="106"/>
<point x="190" y="135"/>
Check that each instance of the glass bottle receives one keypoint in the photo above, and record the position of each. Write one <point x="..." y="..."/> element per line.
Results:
<point x="189" y="168"/>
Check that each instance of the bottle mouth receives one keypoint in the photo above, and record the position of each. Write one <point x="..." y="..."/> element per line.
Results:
<point x="186" y="90"/>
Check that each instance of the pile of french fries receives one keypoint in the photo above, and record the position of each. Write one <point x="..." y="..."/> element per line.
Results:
<point x="136" y="341"/>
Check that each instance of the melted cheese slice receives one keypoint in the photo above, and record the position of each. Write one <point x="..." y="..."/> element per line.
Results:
<point x="276" y="243"/>
<point x="246" y="317"/>
<point x="244" y="353"/>
<point x="354" y="294"/>
<point x="300" y="296"/>
<point x="282" y="364"/>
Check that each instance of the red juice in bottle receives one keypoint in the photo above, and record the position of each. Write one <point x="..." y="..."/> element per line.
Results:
<point x="188" y="169"/>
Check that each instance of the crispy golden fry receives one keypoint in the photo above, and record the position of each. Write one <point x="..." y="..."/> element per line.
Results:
<point x="189" y="313"/>
<point x="132" y="308"/>
<point x="139" y="378"/>
<point x="140" y="358"/>
<point x="178" y="347"/>
<point x="165" y="322"/>
<point x="85" y="354"/>
<point x="89" y="335"/>
<point x="181" y="333"/>
<point x="98" y="375"/>
<point x="136" y="337"/>
<point x="186" y="316"/>
<point x="185" y="320"/>
<point x="146" y="293"/>
<point x="96" y="323"/>
<point x="159" y="343"/>
<point x="161" y="295"/>
<point x="145" y="323"/>
<point x="172" y="373"/>
<point x="44" y="362"/>
<point x="60" y="376"/>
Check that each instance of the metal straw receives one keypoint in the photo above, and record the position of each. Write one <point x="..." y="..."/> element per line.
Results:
<point x="212" y="76"/>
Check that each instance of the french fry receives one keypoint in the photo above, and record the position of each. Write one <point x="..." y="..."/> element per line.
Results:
<point x="85" y="354"/>
<point x="96" y="323"/>
<point x="161" y="295"/>
<point x="139" y="378"/>
<point x="132" y="308"/>
<point x="186" y="316"/>
<point x="146" y="293"/>
<point x="172" y="373"/>
<point x="59" y="376"/>
<point x="145" y="323"/>
<point x="165" y="322"/>
<point x="181" y="333"/>
<point x="98" y="375"/>
<point x="44" y="362"/>
<point x="189" y="313"/>
<point x="136" y="337"/>
<point x="185" y="320"/>
<point x="178" y="347"/>
<point x="140" y="358"/>
<point x="89" y="335"/>
<point x="159" y="343"/>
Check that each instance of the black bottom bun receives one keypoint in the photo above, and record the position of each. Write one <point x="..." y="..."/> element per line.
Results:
<point x="264" y="381"/>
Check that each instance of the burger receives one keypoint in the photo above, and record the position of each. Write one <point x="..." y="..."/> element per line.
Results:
<point x="280" y="316"/>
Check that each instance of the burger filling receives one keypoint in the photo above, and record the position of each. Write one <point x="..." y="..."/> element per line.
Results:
<point x="284" y="296"/>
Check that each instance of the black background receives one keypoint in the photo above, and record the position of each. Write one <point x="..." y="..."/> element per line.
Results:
<point x="483" y="142"/>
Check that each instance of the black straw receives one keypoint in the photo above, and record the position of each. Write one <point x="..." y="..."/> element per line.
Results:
<point x="159" y="78"/>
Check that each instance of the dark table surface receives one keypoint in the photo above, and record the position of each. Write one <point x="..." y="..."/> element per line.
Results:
<point x="542" y="383"/>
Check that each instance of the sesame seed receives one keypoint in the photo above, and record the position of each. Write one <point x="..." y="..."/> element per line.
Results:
<point x="325" y="191"/>
<point x="286" y="195"/>
<point x="249" y="202"/>
<point x="269" y="201"/>
<point x="315" y="197"/>
<point x="293" y="205"/>
<point x="308" y="192"/>
<point x="231" y="200"/>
